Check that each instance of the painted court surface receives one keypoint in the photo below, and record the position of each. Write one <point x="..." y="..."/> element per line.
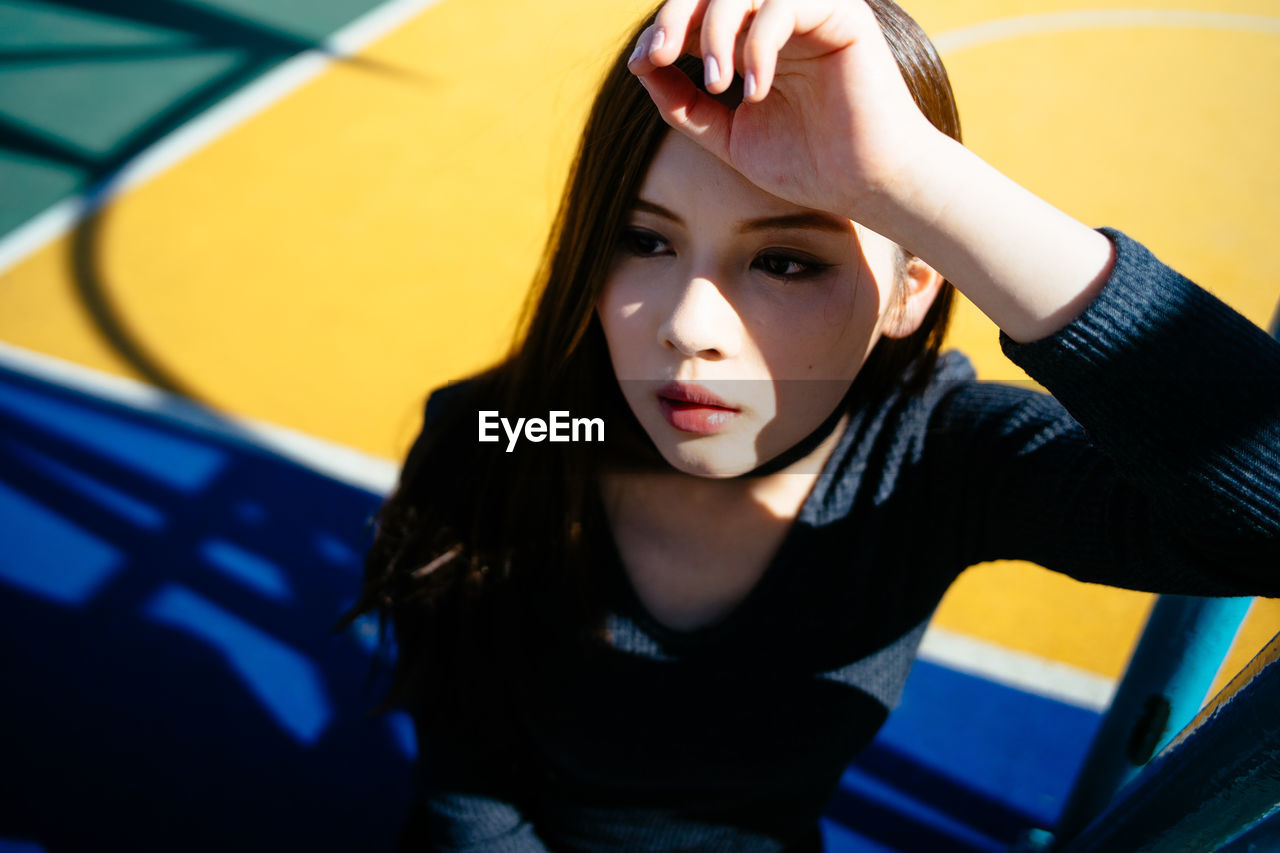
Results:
<point x="304" y="216"/>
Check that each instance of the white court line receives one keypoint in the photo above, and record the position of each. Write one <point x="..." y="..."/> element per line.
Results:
<point x="1098" y="19"/>
<point x="1031" y="673"/>
<point x="337" y="461"/>
<point x="182" y="142"/>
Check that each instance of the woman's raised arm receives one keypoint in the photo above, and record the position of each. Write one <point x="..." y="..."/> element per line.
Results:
<point x="1178" y="390"/>
<point x="827" y="122"/>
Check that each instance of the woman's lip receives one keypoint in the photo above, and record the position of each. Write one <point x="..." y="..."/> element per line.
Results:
<point x="692" y="408"/>
<point x="695" y="417"/>
<point x="686" y="392"/>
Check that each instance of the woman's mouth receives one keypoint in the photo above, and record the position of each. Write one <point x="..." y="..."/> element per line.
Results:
<point x="694" y="409"/>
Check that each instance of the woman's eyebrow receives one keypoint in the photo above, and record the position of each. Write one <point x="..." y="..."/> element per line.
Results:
<point x="814" y="219"/>
<point x="657" y="210"/>
<point x="811" y="219"/>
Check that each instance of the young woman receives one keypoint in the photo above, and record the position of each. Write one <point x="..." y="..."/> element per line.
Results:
<point x="676" y="638"/>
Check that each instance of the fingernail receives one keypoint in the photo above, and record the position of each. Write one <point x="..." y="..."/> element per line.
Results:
<point x="749" y="84"/>
<point x="659" y="39"/>
<point x="712" y="69"/>
<point x="636" y="53"/>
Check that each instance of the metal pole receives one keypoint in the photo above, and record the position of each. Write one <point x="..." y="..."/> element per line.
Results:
<point x="1168" y="677"/>
<point x="1262" y="838"/>
<point x="1219" y="778"/>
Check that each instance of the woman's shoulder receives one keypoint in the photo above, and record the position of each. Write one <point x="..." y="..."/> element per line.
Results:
<point x="953" y="370"/>
<point x="444" y="421"/>
<point x="957" y="402"/>
<point x="448" y="399"/>
<point x="953" y="366"/>
<point x="447" y="402"/>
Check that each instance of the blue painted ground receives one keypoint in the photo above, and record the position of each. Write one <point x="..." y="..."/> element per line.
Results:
<point x="165" y="597"/>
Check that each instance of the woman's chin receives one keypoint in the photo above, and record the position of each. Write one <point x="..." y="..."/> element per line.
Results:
<point x="704" y="462"/>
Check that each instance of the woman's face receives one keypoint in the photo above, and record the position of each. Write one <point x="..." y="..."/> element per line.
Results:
<point x="770" y="307"/>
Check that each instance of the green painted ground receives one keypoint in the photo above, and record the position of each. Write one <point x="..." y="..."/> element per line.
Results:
<point x="85" y="85"/>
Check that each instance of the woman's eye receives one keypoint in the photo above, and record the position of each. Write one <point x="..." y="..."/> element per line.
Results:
<point x="644" y="243"/>
<point x="789" y="266"/>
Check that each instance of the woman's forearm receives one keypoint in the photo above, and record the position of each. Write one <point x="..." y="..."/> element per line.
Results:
<point x="1027" y="265"/>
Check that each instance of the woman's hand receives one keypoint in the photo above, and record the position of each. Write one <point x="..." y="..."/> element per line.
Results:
<point x="826" y="120"/>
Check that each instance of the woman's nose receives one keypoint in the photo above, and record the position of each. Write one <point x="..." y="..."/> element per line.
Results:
<point x="701" y="322"/>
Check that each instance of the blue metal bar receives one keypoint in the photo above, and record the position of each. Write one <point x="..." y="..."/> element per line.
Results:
<point x="1219" y="778"/>
<point x="1168" y="677"/>
<point x="1263" y="837"/>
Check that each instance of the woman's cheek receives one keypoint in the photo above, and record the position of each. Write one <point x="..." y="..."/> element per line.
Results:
<point x="622" y="319"/>
<point x="792" y="338"/>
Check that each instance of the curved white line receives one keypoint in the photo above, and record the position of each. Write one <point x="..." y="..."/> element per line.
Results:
<point x="1095" y="19"/>
<point x="215" y="122"/>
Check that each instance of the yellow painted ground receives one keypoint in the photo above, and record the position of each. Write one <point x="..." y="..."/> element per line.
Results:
<point x="370" y="236"/>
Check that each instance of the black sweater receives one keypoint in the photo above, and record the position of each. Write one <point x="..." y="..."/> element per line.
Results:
<point x="1154" y="466"/>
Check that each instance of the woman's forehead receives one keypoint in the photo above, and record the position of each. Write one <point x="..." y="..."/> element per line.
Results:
<point x="685" y="177"/>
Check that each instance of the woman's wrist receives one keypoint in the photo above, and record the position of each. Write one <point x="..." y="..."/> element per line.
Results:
<point x="1027" y="265"/>
<point x="913" y="181"/>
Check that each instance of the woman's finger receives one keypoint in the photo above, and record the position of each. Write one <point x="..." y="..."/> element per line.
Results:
<point x="773" y="25"/>
<point x="689" y="110"/>
<point x="639" y="62"/>
<point x="672" y="27"/>
<point x="722" y="22"/>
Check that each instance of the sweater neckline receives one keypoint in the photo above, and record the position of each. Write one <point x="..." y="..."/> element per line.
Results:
<point x="620" y="582"/>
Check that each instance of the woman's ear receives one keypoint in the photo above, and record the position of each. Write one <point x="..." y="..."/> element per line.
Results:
<point x="920" y="286"/>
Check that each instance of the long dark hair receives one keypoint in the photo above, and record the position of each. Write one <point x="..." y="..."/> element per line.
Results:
<point x="480" y="556"/>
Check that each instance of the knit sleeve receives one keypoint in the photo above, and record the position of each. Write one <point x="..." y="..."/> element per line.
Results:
<point x="1154" y="466"/>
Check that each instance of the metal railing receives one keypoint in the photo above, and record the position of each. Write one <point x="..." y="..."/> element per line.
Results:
<point x="1217" y="780"/>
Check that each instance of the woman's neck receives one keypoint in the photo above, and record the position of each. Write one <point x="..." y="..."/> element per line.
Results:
<point x="667" y="497"/>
